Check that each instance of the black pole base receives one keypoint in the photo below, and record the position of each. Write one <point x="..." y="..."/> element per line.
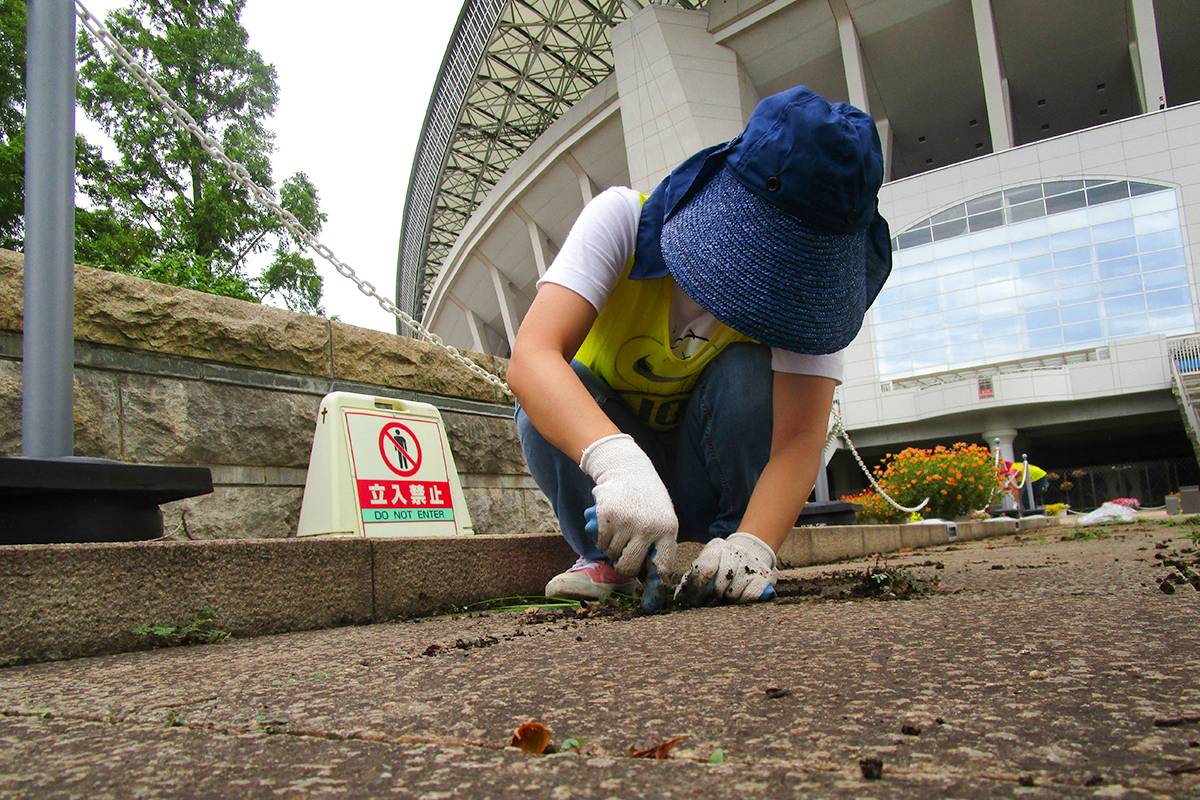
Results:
<point x="57" y="500"/>
<point x="1013" y="513"/>
<point x="830" y="512"/>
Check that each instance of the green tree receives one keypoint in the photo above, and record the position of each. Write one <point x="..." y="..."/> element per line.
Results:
<point x="165" y="209"/>
<point x="12" y="121"/>
<point x="95" y="229"/>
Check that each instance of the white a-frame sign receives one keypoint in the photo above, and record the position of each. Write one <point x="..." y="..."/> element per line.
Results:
<point x="381" y="467"/>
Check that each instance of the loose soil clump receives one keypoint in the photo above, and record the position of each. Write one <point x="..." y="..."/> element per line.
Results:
<point x="612" y="610"/>
<point x="872" y="767"/>
<point x="1183" y="566"/>
<point x="877" y="582"/>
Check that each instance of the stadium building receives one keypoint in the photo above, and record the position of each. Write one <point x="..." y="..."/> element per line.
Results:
<point x="1042" y="187"/>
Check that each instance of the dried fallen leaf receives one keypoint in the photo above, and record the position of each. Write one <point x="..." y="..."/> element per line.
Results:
<point x="657" y="751"/>
<point x="532" y="737"/>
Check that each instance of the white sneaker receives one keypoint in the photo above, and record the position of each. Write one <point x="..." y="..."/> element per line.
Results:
<point x="591" y="580"/>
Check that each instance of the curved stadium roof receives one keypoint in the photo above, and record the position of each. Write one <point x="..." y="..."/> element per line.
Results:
<point x="511" y="69"/>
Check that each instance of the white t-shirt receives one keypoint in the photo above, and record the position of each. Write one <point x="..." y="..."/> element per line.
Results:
<point x="595" y="254"/>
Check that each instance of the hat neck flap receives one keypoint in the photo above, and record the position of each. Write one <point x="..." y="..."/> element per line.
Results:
<point x="666" y="199"/>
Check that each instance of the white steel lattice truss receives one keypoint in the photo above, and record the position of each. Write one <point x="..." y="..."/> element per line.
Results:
<point x="532" y="60"/>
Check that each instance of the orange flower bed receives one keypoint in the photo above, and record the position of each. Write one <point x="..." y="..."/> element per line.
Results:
<point x="873" y="508"/>
<point x="957" y="480"/>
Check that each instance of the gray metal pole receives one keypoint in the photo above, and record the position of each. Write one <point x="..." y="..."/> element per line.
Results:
<point x="49" y="345"/>
<point x="1028" y="484"/>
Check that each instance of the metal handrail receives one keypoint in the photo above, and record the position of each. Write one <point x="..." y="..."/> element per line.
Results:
<point x="1189" y="410"/>
<point x="1184" y="354"/>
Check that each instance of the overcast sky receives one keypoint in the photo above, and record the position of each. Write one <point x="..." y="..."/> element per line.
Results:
<point x="355" y="78"/>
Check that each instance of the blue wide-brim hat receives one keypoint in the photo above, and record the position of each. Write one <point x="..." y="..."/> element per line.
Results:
<point x="777" y="233"/>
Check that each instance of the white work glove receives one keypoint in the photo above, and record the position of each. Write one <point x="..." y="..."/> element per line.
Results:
<point x="633" y="509"/>
<point x="738" y="569"/>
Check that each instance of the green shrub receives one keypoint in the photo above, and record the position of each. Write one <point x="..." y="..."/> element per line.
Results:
<point x="201" y="630"/>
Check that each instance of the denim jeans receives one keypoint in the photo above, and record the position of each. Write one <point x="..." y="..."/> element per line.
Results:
<point x="710" y="463"/>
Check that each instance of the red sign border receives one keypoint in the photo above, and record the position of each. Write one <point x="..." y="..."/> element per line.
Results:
<point x="383" y="453"/>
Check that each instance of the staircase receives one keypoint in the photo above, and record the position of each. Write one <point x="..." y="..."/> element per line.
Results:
<point x="1185" y="370"/>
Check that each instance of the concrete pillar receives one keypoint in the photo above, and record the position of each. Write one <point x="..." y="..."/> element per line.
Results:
<point x="543" y="249"/>
<point x="472" y="324"/>
<point x="504" y="296"/>
<point x="1002" y="439"/>
<point x="855" y="68"/>
<point x="885" y="139"/>
<point x="995" y="85"/>
<point x="852" y="57"/>
<point x="587" y="187"/>
<point x="680" y="90"/>
<point x="749" y="94"/>
<point x="1144" y="54"/>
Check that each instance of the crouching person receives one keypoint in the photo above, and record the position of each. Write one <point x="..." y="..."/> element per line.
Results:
<point x="675" y="372"/>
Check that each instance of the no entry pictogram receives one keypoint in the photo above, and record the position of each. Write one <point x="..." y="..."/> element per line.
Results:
<point x="400" y="449"/>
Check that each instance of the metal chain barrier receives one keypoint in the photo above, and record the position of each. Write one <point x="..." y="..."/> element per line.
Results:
<point x="241" y="176"/>
<point x="839" y="429"/>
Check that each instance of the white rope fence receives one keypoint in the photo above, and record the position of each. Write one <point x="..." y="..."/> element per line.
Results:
<point x="1019" y="485"/>
<point x="839" y="429"/>
<point x="241" y="176"/>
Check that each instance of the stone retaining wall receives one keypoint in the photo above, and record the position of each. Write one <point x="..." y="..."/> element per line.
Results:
<point x="171" y="376"/>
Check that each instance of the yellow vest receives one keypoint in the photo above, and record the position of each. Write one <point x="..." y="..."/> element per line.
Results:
<point x="629" y="346"/>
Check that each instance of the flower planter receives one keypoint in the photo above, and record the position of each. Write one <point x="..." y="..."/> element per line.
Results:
<point x="1189" y="499"/>
<point x="1172" y="503"/>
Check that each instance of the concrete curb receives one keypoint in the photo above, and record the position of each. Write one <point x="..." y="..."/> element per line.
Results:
<point x="66" y="601"/>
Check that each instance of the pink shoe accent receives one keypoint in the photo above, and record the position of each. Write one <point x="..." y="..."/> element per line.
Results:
<point x="599" y="571"/>
<point x="591" y="580"/>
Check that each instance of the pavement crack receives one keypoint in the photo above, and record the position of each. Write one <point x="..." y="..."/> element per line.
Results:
<point x="1185" y="770"/>
<point x="925" y="774"/>
<point x="184" y="703"/>
<point x="47" y="713"/>
<point x="371" y="737"/>
<point x="235" y="730"/>
<point x="1175" y="722"/>
<point x="384" y="738"/>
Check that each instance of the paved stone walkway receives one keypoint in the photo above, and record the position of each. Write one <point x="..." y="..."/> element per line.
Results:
<point x="1043" y="668"/>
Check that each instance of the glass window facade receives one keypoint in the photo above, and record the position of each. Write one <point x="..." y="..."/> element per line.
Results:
<point x="1030" y="271"/>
